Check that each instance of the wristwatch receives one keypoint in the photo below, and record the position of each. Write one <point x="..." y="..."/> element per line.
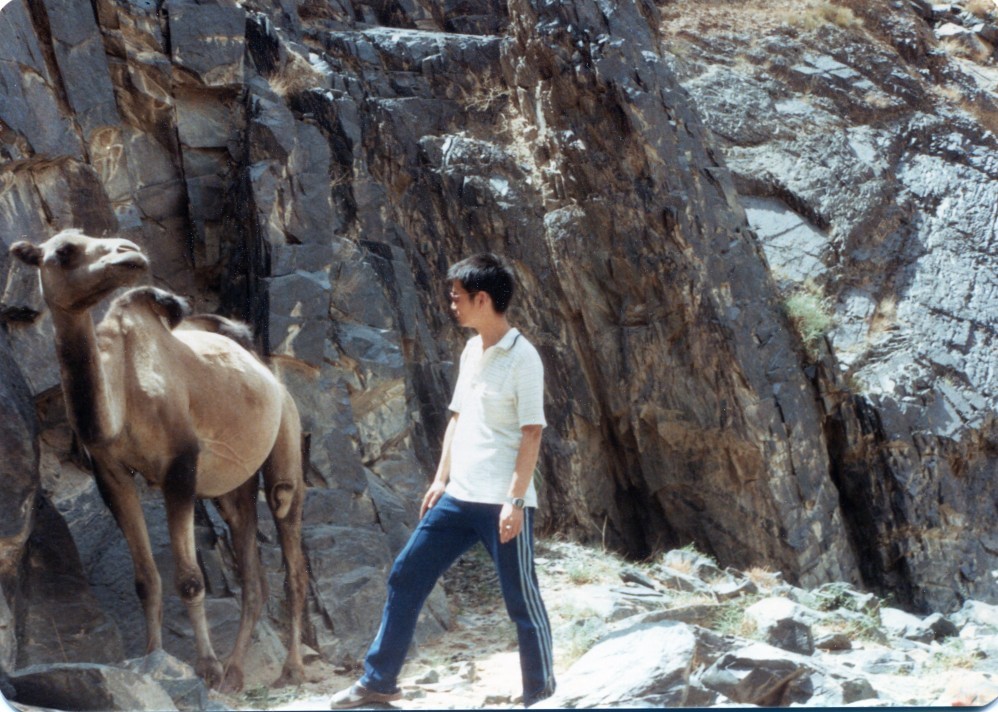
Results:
<point x="518" y="502"/>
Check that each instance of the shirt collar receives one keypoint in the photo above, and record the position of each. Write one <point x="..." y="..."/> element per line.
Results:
<point x="508" y="339"/>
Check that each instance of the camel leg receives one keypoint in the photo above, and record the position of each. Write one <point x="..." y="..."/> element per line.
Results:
<point x="238" y="509"/>
<point x="284" y="483"/>
<point x="117" y="488"/>
<point x="179" y="487"/>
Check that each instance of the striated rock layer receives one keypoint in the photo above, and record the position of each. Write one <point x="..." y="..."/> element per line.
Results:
<point x="314" y="166"/>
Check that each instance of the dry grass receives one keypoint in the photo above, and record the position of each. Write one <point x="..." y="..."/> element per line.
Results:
<point x="884" y="316"/>
<point x="953" y="655"/>
<point x="982" y="8"/>
<point x="813" y="15"/>
<point x="762" y="16"/>
<point x="487" y="98"/>
<point x="763" y="578"/>
<point x="986" y="112"/>
<point x="968" y="46"/>
<point x="295" y="76"/>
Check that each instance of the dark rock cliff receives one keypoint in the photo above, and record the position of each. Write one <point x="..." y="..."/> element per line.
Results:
<point x="863" y="153"/>
<point x="314" y="166"/>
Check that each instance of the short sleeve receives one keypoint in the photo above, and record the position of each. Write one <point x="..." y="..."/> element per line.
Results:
<point x="529" y="386"/>
<point x="461" y="386"/>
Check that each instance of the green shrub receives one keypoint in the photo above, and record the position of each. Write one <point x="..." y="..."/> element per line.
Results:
<point x="810" y="315"/>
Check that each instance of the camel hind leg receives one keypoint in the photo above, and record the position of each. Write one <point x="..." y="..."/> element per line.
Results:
<point x="238" y="509"/>
<point x="284" y="483"/>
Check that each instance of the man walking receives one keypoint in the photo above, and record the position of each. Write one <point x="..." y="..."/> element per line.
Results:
<point x="482" y="491"/>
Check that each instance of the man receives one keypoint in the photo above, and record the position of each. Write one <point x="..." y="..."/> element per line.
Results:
<point x="483" y="490"/>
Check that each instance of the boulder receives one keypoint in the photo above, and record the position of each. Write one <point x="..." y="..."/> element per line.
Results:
<point x="783" y="624"/>
<point x="757" y="674"/>
<point x="833" y="641"/>
<point x="647" y="665"/>
<point x="84" y="686"/>
<point x="941" y="626"/>
<point x="978" y="613"/>
<point x="905" y="625"/>
<point x="62" y="619"/>
<point x="731" y="589"/>
<point x="176" y="677"/>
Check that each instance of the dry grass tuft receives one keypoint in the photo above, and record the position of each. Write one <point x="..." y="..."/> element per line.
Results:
<point x="763" y="578"/>
<point x="812" y="15"/>
<point x="968" y="46"/>
<point x="982" y="8"/>
<point x="295" y="76"/>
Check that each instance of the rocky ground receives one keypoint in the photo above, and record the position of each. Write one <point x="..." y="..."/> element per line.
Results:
<point x="590" y="594"/>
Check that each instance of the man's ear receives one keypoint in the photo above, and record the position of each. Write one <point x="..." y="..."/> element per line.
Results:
<point x="26" y="252"/>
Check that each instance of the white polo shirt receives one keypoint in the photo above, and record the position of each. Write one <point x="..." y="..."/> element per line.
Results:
<point x="497" y="393"/>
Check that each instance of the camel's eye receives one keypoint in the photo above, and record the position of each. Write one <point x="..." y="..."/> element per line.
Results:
<point x="66" y="254"/>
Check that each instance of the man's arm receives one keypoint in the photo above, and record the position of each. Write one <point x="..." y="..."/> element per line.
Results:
<point x="439" y="483"/>
<point x="511" y="518"/>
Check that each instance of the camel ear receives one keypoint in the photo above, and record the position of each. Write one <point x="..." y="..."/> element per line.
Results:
<point x="26" y="252"/>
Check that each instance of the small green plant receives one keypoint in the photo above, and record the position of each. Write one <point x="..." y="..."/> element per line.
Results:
<point x="952" y="654"/>
<point x="263" y="697"/>
<point x="579" y="573"/>
<point x="832" y="597"/>
<point x="810" y="315"/>
<point x="856" y="627"/>
<point x="730" y="619"/>
<point x="582" y="635"/>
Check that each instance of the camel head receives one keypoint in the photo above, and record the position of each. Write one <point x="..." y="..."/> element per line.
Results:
<point x="76" y="271"/>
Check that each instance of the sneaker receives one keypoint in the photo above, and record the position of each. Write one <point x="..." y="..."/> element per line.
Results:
<point x="357" y="696"/>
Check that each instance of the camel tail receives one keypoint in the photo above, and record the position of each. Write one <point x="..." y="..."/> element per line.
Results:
<point x="235" y="330"/>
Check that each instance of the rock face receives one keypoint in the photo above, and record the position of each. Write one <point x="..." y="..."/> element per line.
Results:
<point x="314" y="167"/>
<point x="866" y="164"/>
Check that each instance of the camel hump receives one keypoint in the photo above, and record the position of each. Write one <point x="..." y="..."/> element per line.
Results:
<point x="170" y="306"/>
<point x="238" y="331"/>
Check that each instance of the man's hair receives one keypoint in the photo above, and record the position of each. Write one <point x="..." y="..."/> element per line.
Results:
<point x="487" y="273"/>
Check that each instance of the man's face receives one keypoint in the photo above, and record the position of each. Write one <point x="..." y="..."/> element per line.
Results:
<point x="464" y="305"/>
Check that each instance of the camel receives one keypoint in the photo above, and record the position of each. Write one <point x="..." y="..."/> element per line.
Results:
<point x="181" y="402"/>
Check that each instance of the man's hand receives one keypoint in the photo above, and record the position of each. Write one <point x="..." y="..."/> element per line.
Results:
<point x="433" y="494"/>
<point x="510" y="522"/>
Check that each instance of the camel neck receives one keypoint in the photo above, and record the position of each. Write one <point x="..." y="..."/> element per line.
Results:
<point x="84" y="383"/>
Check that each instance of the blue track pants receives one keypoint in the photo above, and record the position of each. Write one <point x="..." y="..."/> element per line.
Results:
<point x="448" y="530"/>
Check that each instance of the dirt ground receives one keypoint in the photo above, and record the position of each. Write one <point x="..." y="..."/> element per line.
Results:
<point x="475" y="664"/>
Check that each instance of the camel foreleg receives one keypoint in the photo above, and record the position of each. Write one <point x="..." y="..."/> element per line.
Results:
<point x="117" y="488"/>
<point x="284" y="483"/>
<point x="179" y="487"/>
<point x="238" y="509"/>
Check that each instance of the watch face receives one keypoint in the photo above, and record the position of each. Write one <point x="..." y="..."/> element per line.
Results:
<point x="518" y="502"/>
